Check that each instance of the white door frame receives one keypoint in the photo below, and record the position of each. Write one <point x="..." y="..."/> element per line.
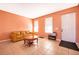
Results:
<point x="68" y="27"/>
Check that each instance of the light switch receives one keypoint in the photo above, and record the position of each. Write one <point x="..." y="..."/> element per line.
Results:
<point x="56" y="28"/>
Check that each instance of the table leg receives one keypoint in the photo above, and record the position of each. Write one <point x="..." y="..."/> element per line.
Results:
<point x="37" y="40"/>
<point x="24" y="42"/>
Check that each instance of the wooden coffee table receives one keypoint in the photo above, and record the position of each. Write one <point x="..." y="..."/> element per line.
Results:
<point x="29" y="40"/>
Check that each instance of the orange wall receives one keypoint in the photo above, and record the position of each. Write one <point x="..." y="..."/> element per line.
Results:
<point x="11" y="22"/>
<point x="57" y="22"/>
<point x="77" y="25"/>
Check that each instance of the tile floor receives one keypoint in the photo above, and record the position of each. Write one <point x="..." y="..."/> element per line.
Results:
<point x="44" y="47"/>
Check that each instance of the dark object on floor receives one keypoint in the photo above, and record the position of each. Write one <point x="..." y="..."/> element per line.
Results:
<point x="52" y="36"/>
<point x="29" y="41"/>
<point x="41" y="37"/>
<point x="70" y="45"/>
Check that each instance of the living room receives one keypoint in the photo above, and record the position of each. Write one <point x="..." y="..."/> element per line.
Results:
<point x="18" y="20"/>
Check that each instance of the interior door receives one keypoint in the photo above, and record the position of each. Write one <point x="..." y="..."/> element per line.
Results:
<point x="69" y="27"/>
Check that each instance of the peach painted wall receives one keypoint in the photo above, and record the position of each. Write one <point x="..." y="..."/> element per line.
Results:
<point x="57" y="22"/>
<point x="11" y="22"/>
<point x="77" y="25"/>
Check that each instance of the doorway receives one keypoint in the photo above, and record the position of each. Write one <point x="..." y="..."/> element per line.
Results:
<point x="69" y="27"/>
<point x="69" y="31"/>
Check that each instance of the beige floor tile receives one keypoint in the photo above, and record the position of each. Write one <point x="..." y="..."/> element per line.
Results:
<point x="44" y="47"/>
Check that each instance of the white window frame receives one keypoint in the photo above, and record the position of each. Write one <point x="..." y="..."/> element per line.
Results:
<point x="30" y="27"/>
<point x="35" y="25"/>
<point x="49" y="25"/>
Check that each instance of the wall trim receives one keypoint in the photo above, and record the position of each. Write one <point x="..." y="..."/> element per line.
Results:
<point x="77" y="45"/>
<point x="4" y="40"/>
<point x="59" y="40"/>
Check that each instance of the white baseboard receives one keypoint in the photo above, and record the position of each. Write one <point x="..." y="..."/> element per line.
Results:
<point x="58" y="40"/>
<point x="77" y="45"/>
<point x="4" y="40"/>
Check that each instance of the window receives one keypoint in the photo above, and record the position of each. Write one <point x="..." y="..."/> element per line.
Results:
<point x="35" y="26"/>
<point x="48" y="25"/>
<point x="30" y="26"/>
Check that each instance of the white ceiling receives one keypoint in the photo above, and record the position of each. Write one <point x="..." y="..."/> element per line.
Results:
<point x="33" y="10"/>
